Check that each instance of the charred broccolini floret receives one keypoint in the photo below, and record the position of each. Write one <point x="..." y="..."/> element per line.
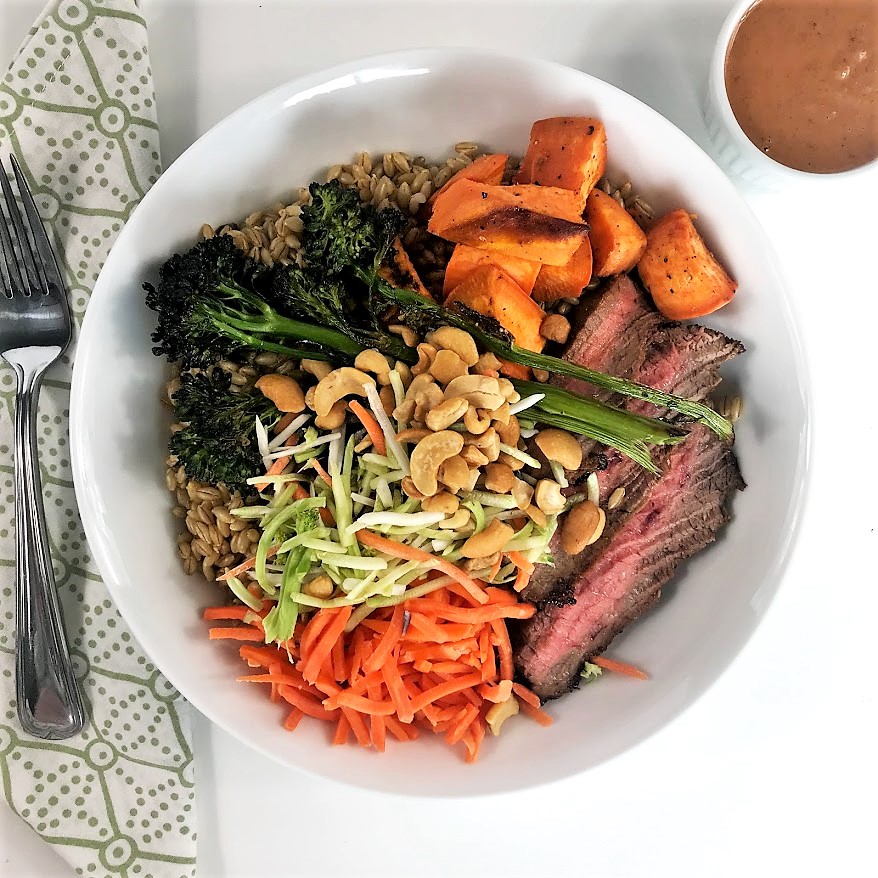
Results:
<point x="218" y="441"/>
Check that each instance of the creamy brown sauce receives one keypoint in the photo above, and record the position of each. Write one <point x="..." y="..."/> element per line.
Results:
<point x="802" y="79"/>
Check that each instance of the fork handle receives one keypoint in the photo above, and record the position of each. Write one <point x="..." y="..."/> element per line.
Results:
<point x="49" y="703"/>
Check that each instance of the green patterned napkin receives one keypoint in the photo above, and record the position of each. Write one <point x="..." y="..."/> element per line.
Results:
<point x="77" y="108"/>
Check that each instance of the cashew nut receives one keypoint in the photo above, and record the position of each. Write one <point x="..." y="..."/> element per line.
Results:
<point x="318" y="368"/>
<point x="548" y="496"/>
<point x="501" y="414"/>
<point x="409" y="336"/>
<point x="409" y="489"/>
<point x="283" y="391"/>
<point x="334" y="418"/>
<point x="412" y="434"/>
<point x="429" y="455"/>
<point x="499" y="478"/>
<point x="426" y="355"/>
<point x="447" y="366"/>
<point x="499" y="713"/>
<point x="555" y="327"/>
<point x="454" y="473"/>
<point x="512" y="462"/>
<point x="522" y="493"/>
<point x="419" y="383"/>
<point x="488" y="443"/>
<point x="404" y="372"/>
<point x="582" y="526"/>
<point x="388" y="399"/>
<point x="458" y="521"/>
<point x="510" y="433"/>
<point x="425" y="401"/>
<point x="474" y="565"/>
<point x="338" y="384"/>
<point x="446" y="413"/>
<point x="309" y="398"/>
<point x="375" y="362"/>
<point x="487" y="364"/>
<point x="536" y="515"/>
<point x="473" y="457"/>
<point x="442" y="502"/>
<point x="507" y="388"/>
<point x="559" y="446"/>
<point x="476" y="420"/>
<point x="452" y="339"/>
<point x="405" y="411"/>
<point x="320" y="586"/>
<point x="482" y="391"/>
<point x="492" y="539"/>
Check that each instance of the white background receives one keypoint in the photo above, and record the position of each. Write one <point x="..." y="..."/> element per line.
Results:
<point x="774" y="771"/>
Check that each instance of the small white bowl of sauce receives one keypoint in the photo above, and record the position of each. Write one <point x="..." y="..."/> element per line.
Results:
<point x="793" y="90"/>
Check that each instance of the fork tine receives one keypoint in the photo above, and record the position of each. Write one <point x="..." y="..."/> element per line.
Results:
<point x="12" y="278"/>
<point x="47" y="259"/>
<point x="28" y="264"/>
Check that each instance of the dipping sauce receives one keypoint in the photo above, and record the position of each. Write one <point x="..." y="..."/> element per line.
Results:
<point x="802" y="80"/>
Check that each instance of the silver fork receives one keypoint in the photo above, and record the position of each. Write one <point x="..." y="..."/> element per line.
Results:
<point x="34" y="330"/>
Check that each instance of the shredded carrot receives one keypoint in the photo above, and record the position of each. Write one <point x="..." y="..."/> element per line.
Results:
<point x="441" y="676"/>
<point x="299" y="493"/>
<point x="253" y="634"/>
<point x="609" y="664"/>
<point x="495" y="567"/>
<point x="284" y="422"/>
<point x="410" y="553"/>
<point x="521" y="562"/>
<point x="276" y="468"/>
<point x="244" y="566"/>
<point x="373" y="428"/>
<point x="320" y="471"/>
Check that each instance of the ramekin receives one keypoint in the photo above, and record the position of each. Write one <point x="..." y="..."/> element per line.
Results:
<point x="733" y="150"/>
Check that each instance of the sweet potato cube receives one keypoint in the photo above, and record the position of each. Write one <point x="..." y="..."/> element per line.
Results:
<point x="682" y="275"/>
<point x="617" y="242"/>
<point x="490" y="291"/>
<point x="485" y="169"/>
<point x="565" y="151"/>
<point x="565" y="281"/>
<point x="399" y="271"/>
<point x="465" y="259"/>
<point x="530" y="222"/>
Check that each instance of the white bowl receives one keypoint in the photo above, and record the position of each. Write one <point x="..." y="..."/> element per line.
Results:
<point x="423" y="102"/>
<point x="735" y="152"/>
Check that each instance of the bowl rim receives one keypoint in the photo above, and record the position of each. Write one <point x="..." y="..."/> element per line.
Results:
<point x="420" y="58"/>
<point x="752" y="153"/>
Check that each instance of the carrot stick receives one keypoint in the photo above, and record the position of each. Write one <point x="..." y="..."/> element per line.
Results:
<point x="449" y="687"/>
<point x="458" y="727"/>
<point x="504" y="648"/>
<point x="495" y="567"/>
<point x="321" y="472"/>
<point x="323" y="647"/>
<point x="293" y="719"/>
<point x="471" y="615"/>
<point x="244" y="566"/>
<point x="304" y="702"/>
<point x="410" y="553"/>
<point x="277" y="467"/>
<point x="396" y="690"/>
<point x="264" y="656"/>
<point x="535" y="713"/>
<point x="284" y="422"/>
<point x="365" y="705"/>
<point x="376" y="722"/>
<point x="388" y="641"/>
<point x="342" y="730"/>
<point x="526" y="695"/>
<point x="609" y="664"/>
<point x="496" y="693"/>
<point x="236" y="634"/>
<point x="373" y="428"/>
<point x="339" y="670"/>
<point x="312" y="632"/>
<point x="522" y="578"/>
<point x="269" y="678"/>
<point x="217" y="614"/>
<point x="521" y="562"/>
<point x="358" y="726"/>
<point x="398" y="730"/>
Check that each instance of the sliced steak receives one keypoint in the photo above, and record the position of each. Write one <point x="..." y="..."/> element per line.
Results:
<point x="678" y="516"/>
<point x="683" y="360"/>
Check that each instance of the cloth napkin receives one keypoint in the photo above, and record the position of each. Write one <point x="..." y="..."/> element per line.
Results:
<point x="78" y="110"/>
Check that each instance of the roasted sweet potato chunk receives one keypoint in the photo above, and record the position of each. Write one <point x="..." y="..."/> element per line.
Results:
<point x="485" y="169"/>
<point x="539" y="224"/>
<point x="491" y="291"/>
<point x="682" y="275"/>
<point x="566" y="151"/>
<point x="565" y="281"/>
<point x="465" y="259"/>
<point x="617" y="242"/>
<point x="399" y="271"/>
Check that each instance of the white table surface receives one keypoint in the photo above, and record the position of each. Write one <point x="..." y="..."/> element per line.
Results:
<point x="773" y="771"/>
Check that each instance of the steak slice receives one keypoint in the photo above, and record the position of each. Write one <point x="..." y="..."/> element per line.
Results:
<point x="614" y="332"/>
<point x="678" y="517"/>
